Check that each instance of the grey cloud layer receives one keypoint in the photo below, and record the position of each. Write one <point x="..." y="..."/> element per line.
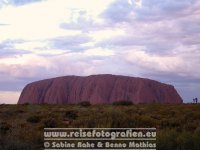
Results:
<point x="18" y="2"/>
<point x="70" y="42"/>
<point x="154" y="10"/>
<point x="160" y="29"/>
<point x="7" y="49"/>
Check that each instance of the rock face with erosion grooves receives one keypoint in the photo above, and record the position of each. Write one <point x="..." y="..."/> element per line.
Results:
<point x="98" y="89"/>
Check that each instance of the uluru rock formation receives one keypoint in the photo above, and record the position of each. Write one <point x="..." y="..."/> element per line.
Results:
<point x="98" y="89"/>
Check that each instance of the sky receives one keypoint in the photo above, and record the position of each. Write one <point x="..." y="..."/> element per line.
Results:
<point x="156" y="39"/>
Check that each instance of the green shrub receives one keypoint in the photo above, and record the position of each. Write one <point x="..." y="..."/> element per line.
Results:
<point x="185" y="141"/>
<point x="124" y="103"/>
<point x="50" y="123"/>
<point x="26" y="103"/>
<point x="166" y="140"/>
<point x="4" y="127"/>
<point x="15" y="144"/>
<point x="191" y="126"/>
<point x="33" y="119"/>
<point x="85" y="103"/>
<point x="196" y="137"/>
<point x="71" y="114"/>
<point x="20" y="111"/>
<point x="177" y="125"/>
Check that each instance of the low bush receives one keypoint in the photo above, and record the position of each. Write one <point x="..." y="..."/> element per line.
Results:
<point x="71" y="114"/>
<point x="15" y="144"/>
<point x="166" y="140"/>
<point x="196" y="137"/>
<point x="26" y="103"/>
<point x="185" y="141"/>
<point x="20" y="111"/>
<point x="33" y="119"/>
<point x="124" y="103"/>
<point x="85" y="103"/>
<point x="177" y="125"/>
<point x="4" y="127"/>
<point x="50" y="123"/>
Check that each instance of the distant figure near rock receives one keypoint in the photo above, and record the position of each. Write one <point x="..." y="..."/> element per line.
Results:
<point x="98" y="89"/>
<point x="195" y="100"/>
